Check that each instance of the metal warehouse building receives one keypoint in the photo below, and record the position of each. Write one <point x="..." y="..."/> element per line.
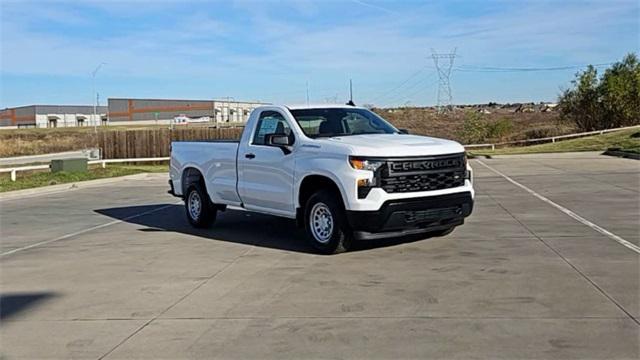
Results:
<point x="163" y="111"/>
<point x="52" y="116"/>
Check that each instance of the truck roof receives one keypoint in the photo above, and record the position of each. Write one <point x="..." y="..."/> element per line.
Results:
<point x="319" y="106"/>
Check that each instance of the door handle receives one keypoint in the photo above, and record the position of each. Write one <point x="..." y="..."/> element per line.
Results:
<point x="250" y="156"/>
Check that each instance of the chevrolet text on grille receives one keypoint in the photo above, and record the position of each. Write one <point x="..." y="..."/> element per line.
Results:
<point x="425" y="165"/>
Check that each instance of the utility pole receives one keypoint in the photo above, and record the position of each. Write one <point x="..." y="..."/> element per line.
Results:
<point x="307" y="93"/>
<point x="94" y="109"/>
<point x="95" y="101"/>
<point x="444" y="64"/>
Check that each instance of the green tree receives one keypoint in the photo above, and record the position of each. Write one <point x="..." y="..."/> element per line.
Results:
<point x="612" y="100"/>
<point x="621" y="92"/>
<point x="582" y="104"/>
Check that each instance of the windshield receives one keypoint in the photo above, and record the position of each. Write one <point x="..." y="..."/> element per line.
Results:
<point x="327" y="122"/>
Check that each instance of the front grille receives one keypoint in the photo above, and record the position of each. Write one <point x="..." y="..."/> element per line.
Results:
<point x="424" y="174"/>
<point x="424" y="182"/>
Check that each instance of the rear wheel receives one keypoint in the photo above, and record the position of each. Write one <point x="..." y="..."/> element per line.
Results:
<point x="200" y="212"/>
<point x="325" y="223"/>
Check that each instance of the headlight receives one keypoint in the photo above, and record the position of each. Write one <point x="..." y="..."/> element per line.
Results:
<point x="365" y="164"/>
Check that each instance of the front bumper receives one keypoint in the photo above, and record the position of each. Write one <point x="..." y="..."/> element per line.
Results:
<point x="402" y="217"/>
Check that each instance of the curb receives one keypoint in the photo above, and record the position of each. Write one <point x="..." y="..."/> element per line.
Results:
<point x="52" y="189"/>
<point x="622" y="154"/>
<point x="479" y="156"/>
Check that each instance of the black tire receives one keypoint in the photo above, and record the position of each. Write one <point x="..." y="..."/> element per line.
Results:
<point x="331" y="234"/>
<point x="206" y="215"/>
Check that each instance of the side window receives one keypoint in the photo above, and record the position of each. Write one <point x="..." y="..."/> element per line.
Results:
<point x="270" y="122"/>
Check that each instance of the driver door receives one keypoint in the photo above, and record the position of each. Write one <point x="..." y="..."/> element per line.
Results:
<point x="265" y="172"/>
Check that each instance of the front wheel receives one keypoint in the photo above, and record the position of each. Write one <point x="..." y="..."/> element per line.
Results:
<point x="200" y="211"/>
<point x="325" y="223"/>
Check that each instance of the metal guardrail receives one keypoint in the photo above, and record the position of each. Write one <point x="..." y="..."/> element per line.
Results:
<point x="551" y="138"/>
<point x="102" y="162"/>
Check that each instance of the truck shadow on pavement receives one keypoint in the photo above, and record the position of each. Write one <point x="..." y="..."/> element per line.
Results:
<point x="14" y="303"/>
<point x="236" y="226"/>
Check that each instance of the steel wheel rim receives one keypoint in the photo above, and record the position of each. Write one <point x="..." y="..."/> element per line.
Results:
<point x="321" y="223"/>
<point x="194" y="205"/>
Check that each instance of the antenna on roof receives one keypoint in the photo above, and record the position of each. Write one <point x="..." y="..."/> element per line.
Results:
<point x="350" y="102"/>
<point x="307" y="92"/>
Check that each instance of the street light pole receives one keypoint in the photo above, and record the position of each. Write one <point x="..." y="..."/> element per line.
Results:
<point x="93" y="93"/>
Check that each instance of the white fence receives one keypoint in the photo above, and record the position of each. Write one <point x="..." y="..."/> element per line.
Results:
<point x="90" y="154"/>
<point x="551" y="139"/>
<point x="102" y="162"/>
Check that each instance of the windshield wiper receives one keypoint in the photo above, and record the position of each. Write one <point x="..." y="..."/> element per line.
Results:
<point x="331" y="135"/>
<point x="370" y="133"/>
<point x="349" y="134"/>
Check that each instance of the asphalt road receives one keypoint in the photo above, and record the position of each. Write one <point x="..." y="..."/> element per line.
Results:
<point x="547" y="267"/>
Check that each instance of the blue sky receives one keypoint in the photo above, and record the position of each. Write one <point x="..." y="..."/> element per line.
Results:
<point x="270" y="50"/>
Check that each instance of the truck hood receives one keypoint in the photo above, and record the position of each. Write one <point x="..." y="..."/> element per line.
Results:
<point x="388" y="145"/>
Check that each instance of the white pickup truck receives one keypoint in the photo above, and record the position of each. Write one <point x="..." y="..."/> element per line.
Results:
<point x="341" y="171"/>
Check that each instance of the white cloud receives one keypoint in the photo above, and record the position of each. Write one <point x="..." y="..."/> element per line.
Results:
<point x="374" y="6"/>
<point x="260" y="40"/>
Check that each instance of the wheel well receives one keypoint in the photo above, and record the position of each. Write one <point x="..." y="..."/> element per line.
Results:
<point x="309" y="186"/>
<point x="191" y="176"/>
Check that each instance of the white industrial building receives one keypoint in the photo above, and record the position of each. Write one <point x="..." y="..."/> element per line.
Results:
<point x="52" y="116"/>
<point x="124" y="111"/>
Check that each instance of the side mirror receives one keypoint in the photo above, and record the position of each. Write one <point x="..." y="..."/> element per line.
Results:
<point x="278" y="140"/>
<point x="403" y="131"/>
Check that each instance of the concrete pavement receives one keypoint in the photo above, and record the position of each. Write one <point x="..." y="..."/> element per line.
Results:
<point x="520" y="279"/>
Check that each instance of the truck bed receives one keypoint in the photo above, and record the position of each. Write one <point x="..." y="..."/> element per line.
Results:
<point x="214" y="159"/>
<point x="208" y="141"/>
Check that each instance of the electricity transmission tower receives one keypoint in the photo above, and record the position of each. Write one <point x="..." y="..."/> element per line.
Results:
<point x="444" y="64"/>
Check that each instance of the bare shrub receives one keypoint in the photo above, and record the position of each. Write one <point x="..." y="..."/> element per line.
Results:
<point x="541" y="132"/>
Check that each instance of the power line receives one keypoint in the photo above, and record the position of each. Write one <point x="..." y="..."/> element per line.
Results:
<point x="399" y="94"/>
<point x="402" y="94"/>
<point x="444" y="90"/>
<point x="382" y="95"/>
<point x="476" y="68"/>
<point x="422" y="89"/>
<point x="419" y="90"/>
